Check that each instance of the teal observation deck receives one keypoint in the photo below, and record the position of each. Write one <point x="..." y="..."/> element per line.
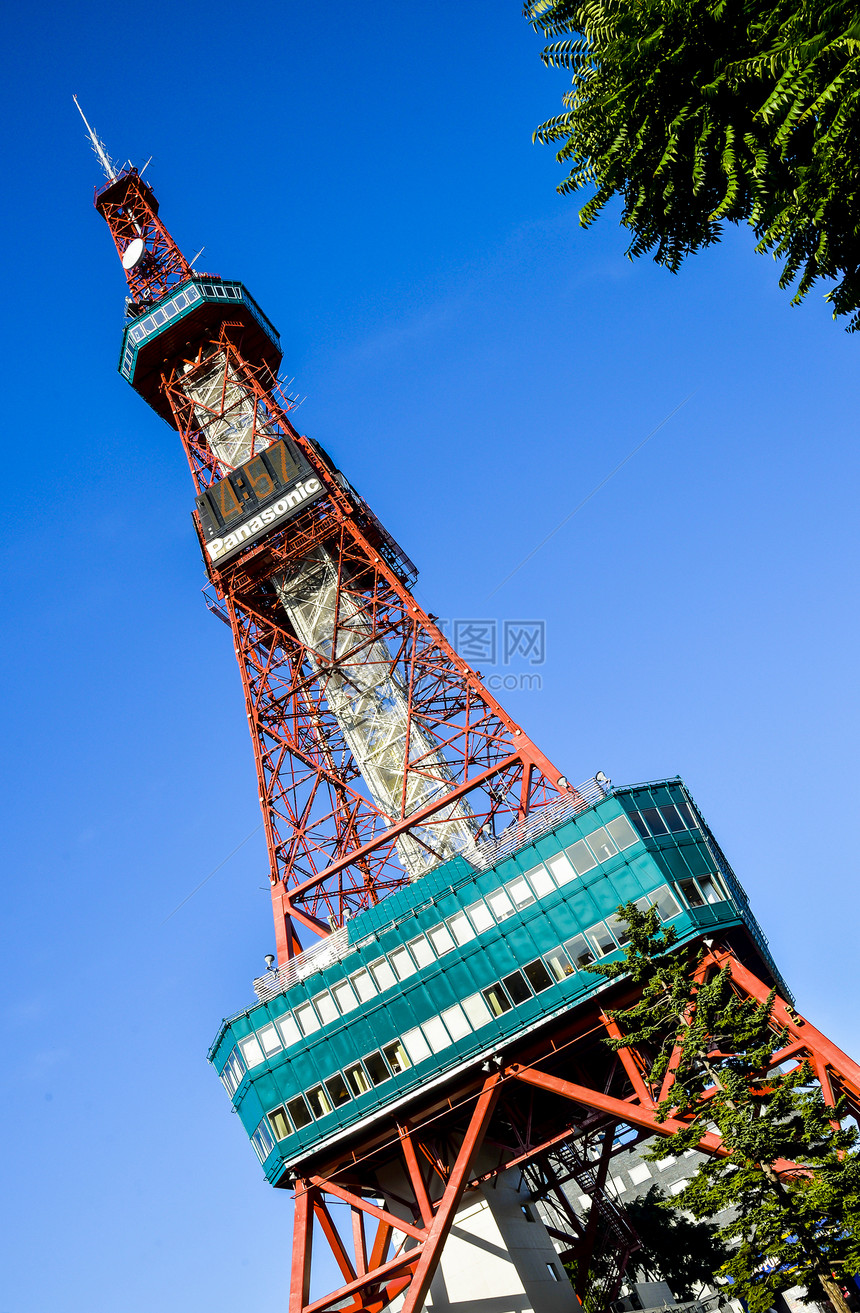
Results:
<point x="468" y="959"/>
<point x="195" y="308"/>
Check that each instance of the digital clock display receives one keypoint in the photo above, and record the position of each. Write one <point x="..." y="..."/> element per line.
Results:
<point x="255" y="498"/>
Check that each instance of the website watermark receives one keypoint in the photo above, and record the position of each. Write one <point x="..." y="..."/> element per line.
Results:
<point x="501" y="645"/>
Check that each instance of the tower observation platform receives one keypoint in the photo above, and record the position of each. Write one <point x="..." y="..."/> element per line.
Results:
<point x="429" y="1047"/>
<point x="475" y="959"/>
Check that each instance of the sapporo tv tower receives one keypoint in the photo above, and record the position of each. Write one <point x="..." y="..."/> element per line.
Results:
<point x="424" y="1067"/>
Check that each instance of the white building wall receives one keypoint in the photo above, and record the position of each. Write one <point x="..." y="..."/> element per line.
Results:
<point x="496" y="1260"/>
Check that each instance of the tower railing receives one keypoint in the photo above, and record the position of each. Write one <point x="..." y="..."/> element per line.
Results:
<point x="486" y="855"/>
<point x="491" y="851"/>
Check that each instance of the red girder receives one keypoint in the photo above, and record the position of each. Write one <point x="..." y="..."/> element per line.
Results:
<point x="131" y="211"/>
<point x="331" y="847"/>
<point x="547" y="1067"/>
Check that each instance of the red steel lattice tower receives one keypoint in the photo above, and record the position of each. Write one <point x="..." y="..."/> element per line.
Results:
<point x="381" y="756"/>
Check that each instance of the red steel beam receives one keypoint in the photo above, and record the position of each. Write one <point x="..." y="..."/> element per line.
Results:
<point x="444" y="1219"/>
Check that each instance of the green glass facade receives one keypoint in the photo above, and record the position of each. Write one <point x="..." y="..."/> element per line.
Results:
<point x="462" y="962"/>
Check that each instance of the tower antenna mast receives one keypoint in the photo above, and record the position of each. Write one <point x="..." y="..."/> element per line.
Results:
<point x="98" y="146"/>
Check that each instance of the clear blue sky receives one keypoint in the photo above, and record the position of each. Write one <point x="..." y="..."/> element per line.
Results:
<point x="477" y="364"/>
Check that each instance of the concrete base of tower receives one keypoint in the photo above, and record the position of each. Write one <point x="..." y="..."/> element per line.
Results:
<point x="499" y="1258"/>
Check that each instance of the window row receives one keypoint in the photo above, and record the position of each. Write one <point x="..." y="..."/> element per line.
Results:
<point x="169" y="311"/>
<point x="655" y="821"/>
<point x="452" y="1024"/>
<point x="422" y="950"/>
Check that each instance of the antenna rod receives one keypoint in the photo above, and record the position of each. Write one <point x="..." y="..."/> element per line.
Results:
<point x="98" y="146"/>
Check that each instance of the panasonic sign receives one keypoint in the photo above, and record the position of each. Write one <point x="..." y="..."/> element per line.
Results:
<point x="287" y="505"/>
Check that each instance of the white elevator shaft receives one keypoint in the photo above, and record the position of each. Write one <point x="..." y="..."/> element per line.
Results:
<point x="363" y="691"/>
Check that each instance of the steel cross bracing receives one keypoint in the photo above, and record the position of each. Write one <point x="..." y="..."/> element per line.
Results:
<point x="558" y="1109"/>
<point x="131" y="211"/>
<point x="368" y="700"/>
<point x="379" y="751"/>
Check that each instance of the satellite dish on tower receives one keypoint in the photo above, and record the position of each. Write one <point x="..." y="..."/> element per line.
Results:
<point x="133" y="253"/>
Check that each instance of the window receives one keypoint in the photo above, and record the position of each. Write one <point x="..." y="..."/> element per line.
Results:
<point x="326" y="1007"/>
<point x="601" y="939"/>
<point x="641" y="1172"/>
<point x="540" y="880"/>
<point x="383" y="976"/>
<point x="480" y="916"/>
<point x="678" y="1186"/>
<point x="377" y="1068"/>
<point x="456" y="1022"/>
<point x="640" y="825"/>
<point x="497" y="1000"/>
<point x="280" y="1123"/>
<point x="500" y="905"/>
<point x="517" y="987"/>
<point x="435" y="1034"/>
<point x="537" y="975"/>
<point x="416" y="1045"/>
<point x="579" y="951"/>
<point x="520" y="892"/>
<point x="685" y="812"/>
<point x="234" y="1070"/>
<point x="461" y="927"/>
<point x="421" y="951"/>
<point x="290" y="1032"/>
<point x="527" y="1213"/>
<point x="270" y="1040"/>
<point x="440" y="938"/>
<point x="251" y="1051"/>
<point x="337" y="1090"/>
<point x="622" y="832"/>
<point x="710" y="887"/>
<point x="619" y="929"/>
<point x="691" y="892"/>
<point x="562" y="868"/>
<point x="600" y="843"/>
<point x="558" y="964"/>
<point x="654" y="821"/>
<point x="299" y="1112"/>
<point x="396" y="1057"/>
<point x="319" y="1101"/>
<point x="476" y="1010"/>
<point x="553" y="1271"/>
<point x="672" y="819"/>
<point x="262" y="1141"/>
<point x="363" y="986"/>
<point x="667" y="905"/>
<point x="581" y="857"/>
<point x="403" y="965"/>
<point x="307" y="1018"/>
<point x="344" y="996"/>
<point x="356" y="1079"/>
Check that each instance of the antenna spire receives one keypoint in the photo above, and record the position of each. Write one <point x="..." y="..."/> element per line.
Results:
<point x="99" y="147"/>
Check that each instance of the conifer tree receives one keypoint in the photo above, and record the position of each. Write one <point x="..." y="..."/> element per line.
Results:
<point x="683" y="1253"/>
<point x="790" y="1175"/>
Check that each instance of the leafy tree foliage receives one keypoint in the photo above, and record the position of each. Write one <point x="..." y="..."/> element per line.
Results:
<point x="683" y="1253"/>
<point x="695" y="112"/>
<point x="791" y="1172"/>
